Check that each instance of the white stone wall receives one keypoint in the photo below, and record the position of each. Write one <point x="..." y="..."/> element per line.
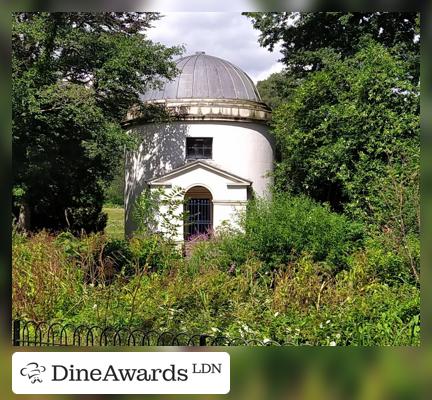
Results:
<point x="241" y="148"/>
<point x="228" y="197"/>
<point x="223" y="213"/>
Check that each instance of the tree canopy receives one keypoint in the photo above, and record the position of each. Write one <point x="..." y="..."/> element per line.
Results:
<point x="353" y="101"/>
<point x="345" y="125"/>
<point x="276" y="89"/>
<point x="75" y="75"/>
<point x="306" y="37"/>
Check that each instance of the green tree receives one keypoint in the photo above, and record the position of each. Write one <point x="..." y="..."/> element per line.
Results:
<point x="276" y="89"/>
<point x="305" y="37"/>
<point x="75" y="75"/>
<point x="345" y="125"/>
<point x="349" y="132"/>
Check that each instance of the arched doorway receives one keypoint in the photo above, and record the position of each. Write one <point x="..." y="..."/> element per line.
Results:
<point x="199" y="209"/>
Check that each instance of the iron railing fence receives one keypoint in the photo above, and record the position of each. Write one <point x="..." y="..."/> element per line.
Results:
<point x="32" y="333"/>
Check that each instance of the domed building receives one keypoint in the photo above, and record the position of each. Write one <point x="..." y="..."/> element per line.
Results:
<point x="217" y="148"/>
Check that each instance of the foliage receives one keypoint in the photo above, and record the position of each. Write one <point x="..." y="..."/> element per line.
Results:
<point x="344" y="125"/>
<point x="108" y="257"/>
<point x="277" y="88"/>
<point x="301" y="305"/>
<point x="276" y="232"/>
<point x="119" y="255"/>
<point x="154" y="252"/>
<point x="44" y="277"/>
<point x="305" y="38"/>
<point x="394" y="212"/>
<point x="145" y="211"/>
<point x="349" y="132"/>
<point x="159" y="210"/>
<point x="128" y="258"/>
<point x="379" y="261"/>
<point x="172" y="217"/>
<point x="280" y="230"/>
<point x="226" y="250"/>
<point x="74" y="76"/>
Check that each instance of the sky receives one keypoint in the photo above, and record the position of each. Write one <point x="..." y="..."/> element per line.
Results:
<point x="228" y="35"/>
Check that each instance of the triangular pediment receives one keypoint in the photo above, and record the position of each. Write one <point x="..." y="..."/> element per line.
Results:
<point x="188" y="168"/>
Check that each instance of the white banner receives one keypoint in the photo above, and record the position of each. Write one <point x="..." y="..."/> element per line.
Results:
<point x="115" y="372"/>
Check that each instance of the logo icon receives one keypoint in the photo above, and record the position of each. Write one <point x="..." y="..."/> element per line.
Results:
<point x="33" y="371"/>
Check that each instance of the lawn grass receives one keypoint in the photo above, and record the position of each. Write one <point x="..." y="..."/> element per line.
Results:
<point x="115" y="224"/>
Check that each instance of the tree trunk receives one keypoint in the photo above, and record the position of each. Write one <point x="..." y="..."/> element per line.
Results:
<point x="23" y="223"/>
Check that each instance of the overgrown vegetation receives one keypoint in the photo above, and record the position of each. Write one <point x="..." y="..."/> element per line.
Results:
<point x="277" y="283"/>
<point x="280" y="231"/>
<point x="161" y="211"/>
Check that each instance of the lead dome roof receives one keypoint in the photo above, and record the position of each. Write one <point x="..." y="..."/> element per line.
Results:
<point x="206" y="77"/>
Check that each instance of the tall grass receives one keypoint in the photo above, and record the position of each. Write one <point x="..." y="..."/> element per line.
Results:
<point x="61" y="278"/>
<point x="45" y="280"/>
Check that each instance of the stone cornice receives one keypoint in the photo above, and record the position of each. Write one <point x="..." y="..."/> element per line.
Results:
<point x="208" y="110"/>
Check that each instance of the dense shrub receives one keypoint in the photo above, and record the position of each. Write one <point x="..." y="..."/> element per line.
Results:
<point x="71" y="245"/>
<point x="226" y="250"/>
<point x="382" y="314"/>
<point x="381" y="262"/>
<point x="87" y="219"/>
<point x="114" y="193"/>
<point x="115" y="256"/>
<point x="154" y="252"/>
<point x="117" y="253"/>
<point x="280" y="230"/>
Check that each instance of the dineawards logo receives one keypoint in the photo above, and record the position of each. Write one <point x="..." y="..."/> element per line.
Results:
<point x="117" y="373"/>
<point x="73" y="374"/>
<point x="33" y="371"/>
